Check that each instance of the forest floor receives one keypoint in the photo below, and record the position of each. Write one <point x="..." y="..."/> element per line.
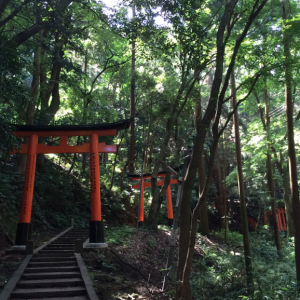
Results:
<point x="133" y="266"/>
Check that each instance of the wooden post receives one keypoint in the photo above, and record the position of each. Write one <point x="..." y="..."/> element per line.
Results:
<point x="141" y="208"/>
<point x="283" y="218"/>
<point x="278" y="221"/>
<point x="78" y="246"/>
<point x="24" y="227"/>
<point x="29" y="247"/>
<point x="169" y="205"/>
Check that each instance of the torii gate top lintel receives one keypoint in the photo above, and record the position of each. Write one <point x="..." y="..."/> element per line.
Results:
<point x="104" y="129"/>
<point x="64" y="131"/>
<point x="148" y="175"/>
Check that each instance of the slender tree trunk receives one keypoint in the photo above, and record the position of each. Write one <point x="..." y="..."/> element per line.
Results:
<point x="149" y="160"/>
<point x="203" y="224"/>
<point x="85" y="108"/>
<point x="152" y="216"/>
<point x="223" y="170"/>
<point x="147" y="144"/>
<point x="3" y="4"/>
<point x="270" y="179"/>
<point x="247" y="250"/>
<point x="187" y="234"/>
<point x="115" y="162"/>
<point x="220" y="201"/>
<point x="288" y="204"/>
<point x="291" y="144"/>
<point x="132" y="105"/>
<point x="21" y="166"/>
<point x="35" y="81"/>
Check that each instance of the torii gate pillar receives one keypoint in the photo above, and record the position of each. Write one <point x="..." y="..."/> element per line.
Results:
<point x="24" y="227"/>
<point x="96" y="226"/>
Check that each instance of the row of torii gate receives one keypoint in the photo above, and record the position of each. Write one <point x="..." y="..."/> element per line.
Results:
<point x="34" y="132"/>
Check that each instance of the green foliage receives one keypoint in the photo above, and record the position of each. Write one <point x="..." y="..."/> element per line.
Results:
<point x="119" y="235"/>
<point x="219" y="274"/>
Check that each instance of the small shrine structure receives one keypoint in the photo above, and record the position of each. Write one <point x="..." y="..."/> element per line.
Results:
<point x="34" y="132"/>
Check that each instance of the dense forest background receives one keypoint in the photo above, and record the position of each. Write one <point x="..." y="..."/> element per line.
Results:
<point x="211" y="90"/>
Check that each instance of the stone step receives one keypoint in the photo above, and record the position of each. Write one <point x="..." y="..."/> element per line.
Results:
<point x="65" y="242"/>
<point x="58" y="298"/>
<point x="56" y="251"/>
<point x="83" y="236"/>
<point x="51" y="269"/>
<point x="54" y="254"/>
<point x="50" y="283"/>
<point x="58" y="245"/>
<point x="53" y="275"/>
<point x="49" y="292"/>
<point x="70" y="248"/>
<point x="52" y="259"/>
<point x="68" y="240"/>
<point x="75" y="234"/>
<point x="51" y="263"/>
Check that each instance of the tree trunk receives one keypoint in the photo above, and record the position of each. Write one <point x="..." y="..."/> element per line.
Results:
<point x="287" y="203"/>
<point x="187" y="235"/>
<point x="152" y="216"/>
<point x="132" y="105"/>
<point x="3" y="4"/>
<point x="203" y="225"/>
<point x="223" y="171"/>
<point x="220" y="200"/>
<point x="85" y="108"/>
<point x="21" y="166"/>
<point x="247" y="250"/>
<point x="270" y="179"/>
<point x="291" y="144"/>
<point x="48" y="110"/>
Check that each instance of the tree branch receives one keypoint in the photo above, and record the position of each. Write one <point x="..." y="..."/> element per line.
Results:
<point x="14" y="13"/>
<point x="237" y="104"/>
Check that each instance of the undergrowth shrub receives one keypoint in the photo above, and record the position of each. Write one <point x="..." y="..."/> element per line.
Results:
<point x="220" y="272"/>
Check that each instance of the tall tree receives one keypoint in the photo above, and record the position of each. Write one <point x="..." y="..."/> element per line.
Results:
<point x="291" y="142"/>
<point x="132" y="101"/>
<point x="270" y="179"/>
<point x="188" y="229"/>
<point x="246" y="242"/>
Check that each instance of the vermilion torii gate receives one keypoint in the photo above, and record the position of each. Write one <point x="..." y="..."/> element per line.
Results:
<point x="148" y="184"/>
<point x="280" y="218"/>
<point x="93" y="147"/>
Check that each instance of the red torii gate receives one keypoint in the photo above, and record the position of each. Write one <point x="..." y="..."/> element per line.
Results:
<point x="148" y="184"/>
<point x="280" y="218"/>
<point x="96" y="233"/>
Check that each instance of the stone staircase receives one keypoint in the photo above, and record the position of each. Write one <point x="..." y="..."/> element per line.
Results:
<point x="53" y="272"/>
